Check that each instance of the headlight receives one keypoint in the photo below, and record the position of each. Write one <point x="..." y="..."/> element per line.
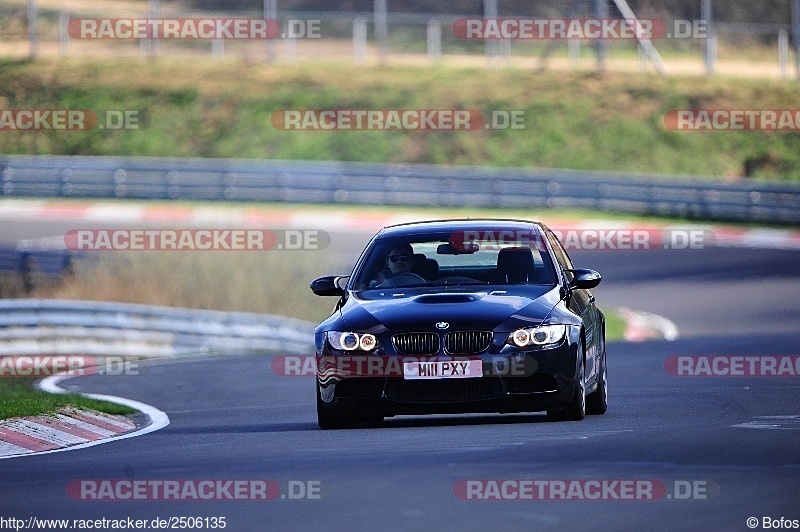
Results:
<point x="541" y="335"/>
<point x="350" y="341"/>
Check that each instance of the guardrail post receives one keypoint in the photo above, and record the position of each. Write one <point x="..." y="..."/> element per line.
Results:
<point x="66" y="186"/>
<point x="28" y="270"/>
<point x="119" y="183"/>
<point x="8" y="183"/>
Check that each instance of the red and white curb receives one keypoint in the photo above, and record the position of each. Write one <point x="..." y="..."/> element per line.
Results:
<point x="72" y="428"/>
<point x="345" y="220"/>
<point x="643" y="326"/>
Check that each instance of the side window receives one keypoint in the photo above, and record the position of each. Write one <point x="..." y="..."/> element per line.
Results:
<point x="560" y="253"/>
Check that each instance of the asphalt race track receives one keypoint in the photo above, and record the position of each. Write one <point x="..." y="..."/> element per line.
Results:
<point x="233" y="418"/>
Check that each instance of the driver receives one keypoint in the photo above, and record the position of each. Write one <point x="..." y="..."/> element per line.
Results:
<point x="400" y="258"/>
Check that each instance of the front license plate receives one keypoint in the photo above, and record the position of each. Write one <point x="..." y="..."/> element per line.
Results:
<point x="451" y="369"/>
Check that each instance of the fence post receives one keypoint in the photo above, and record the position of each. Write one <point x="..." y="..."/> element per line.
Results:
<point x="796" y="36"/>
<point x="601" y="13"/>
<point x="271" y="12"/>
<point x="33" y="29"/>
<point x="504" y="51"/>
<point x="574" y="51"/>
<point x="289" y="43"/>
<point x="359" y="40"/>
<point x="63" y="33"/>
<point x="381" y="30"/>
<point x="783" y="53"/>
<point x="642" y="57"/>
<point x="155" y="12"/>
<point x="217" y="48"/>
<point x="151" y="46"/>
<point x="490" y="45"/>
<point x="710" y="42"/>
<point x="434" y="35"/>
<point x="711" y="54"/>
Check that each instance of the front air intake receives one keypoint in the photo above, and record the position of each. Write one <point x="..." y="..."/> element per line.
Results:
<point x="421" y="343"/>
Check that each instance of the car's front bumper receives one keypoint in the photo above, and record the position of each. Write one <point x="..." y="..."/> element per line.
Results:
<point x="514" y="380"/>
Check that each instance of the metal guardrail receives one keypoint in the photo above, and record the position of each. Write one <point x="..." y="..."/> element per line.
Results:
<point x="41" y="326"/>
<point x="391" y="184"/>
<point x="50" y="262"/>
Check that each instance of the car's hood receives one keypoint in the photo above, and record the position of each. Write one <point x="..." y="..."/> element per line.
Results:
<point x="376" y="311"/>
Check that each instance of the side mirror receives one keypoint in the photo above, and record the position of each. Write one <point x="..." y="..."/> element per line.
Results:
<point x="584" y="278"/>
<point x="328" y="286"/>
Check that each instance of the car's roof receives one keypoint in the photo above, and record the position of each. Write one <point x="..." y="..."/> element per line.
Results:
<point x="431" y="226"/>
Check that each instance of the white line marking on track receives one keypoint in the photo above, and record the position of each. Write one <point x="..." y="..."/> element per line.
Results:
<point x="772" y="423"/>
<point x="158" y="419"/>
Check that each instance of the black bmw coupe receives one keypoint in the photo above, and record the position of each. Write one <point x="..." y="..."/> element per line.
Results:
<point x="461" y="316"/>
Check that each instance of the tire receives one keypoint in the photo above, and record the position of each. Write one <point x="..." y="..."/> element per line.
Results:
<point x="576" y="409"/>
<point x="597" y="402"/>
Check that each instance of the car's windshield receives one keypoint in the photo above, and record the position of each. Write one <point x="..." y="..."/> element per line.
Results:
<point x="480" y="257"/>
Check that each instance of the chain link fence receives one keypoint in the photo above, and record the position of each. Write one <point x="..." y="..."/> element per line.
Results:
<point x="707" y="44"/>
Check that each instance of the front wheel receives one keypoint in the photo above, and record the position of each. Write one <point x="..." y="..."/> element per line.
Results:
<point x="597" y="402"/>
<point x="576" y="409"/>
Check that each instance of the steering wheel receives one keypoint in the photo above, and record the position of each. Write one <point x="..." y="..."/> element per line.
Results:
<point x="401" y="279"/>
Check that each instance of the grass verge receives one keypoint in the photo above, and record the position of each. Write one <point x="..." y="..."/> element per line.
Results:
<point x="19" y="397"/>
<point x="204" y="108"/>
<point x="615" y="325"/>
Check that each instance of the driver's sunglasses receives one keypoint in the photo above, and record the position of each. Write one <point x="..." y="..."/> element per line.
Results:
<point x="395" y="258"/>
